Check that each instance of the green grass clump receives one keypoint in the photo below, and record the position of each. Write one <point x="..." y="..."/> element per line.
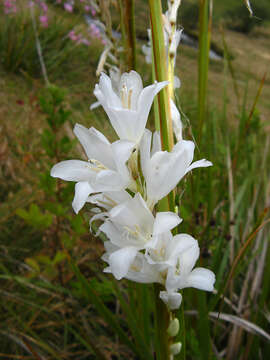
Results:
<point x="18" y="45"/>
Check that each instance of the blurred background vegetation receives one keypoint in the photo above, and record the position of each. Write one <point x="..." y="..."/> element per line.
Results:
<point x="55" y="302"/>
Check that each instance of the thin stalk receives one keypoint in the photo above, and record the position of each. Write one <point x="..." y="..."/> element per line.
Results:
<point x="161" y="326"/>
<point x="39" y="50"/>
<point x="204" y="46"/>
<point x="160" y="73"/>
<point x="128" y="32"/>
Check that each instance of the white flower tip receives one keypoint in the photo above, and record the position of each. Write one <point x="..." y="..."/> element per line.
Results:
<point x="175" y="348"/>
<point x="75" y="207"/>
<point x="172" y="300"/>
<point x="53" y="171"/>
<point x="95" y="105"/>
<point x="207" y="163"/>
<point x="173" y="328"/>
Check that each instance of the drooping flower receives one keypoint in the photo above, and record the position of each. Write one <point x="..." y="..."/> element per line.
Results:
<point x="131" y="227"/>
<point x="184" y="253"/>
<point x="105" y="170"/>
<point x="167" y="260"/>
<point x="127" y="109"/>
<point x="163" y="170"/>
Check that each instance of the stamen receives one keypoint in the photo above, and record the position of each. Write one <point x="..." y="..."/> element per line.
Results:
<point x="123" y="96"/>
<point x="96" y="165"/>
<point x="129" y="98"/>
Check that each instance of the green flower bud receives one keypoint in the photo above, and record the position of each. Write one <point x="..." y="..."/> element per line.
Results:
<point x="173" y="327"/>
<point x="175" y="348"/>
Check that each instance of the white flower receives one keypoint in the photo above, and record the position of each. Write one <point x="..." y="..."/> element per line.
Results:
<point x="184" y="252"/>
<point x="171" y="299"/>
<point x="163" y="170"/>
<point x="139" y="271"/>
<point x="131" y="227"/>
<point x="128" y="109"/>
<point x="167" y="260"/>
<point x="105" y="170"/>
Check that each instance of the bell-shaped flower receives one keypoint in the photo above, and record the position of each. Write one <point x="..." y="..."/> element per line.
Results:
<point x="105" y="170"/>
<point x="184" y="252"/>
<point x="174" y="259"/>
<point x="131" y="227"/>
<point x="127" y="109"/>
<point x="162" y="170"/>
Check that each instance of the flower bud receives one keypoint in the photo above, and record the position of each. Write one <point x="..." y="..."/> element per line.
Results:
<point x="175" y="348"/>
<point x="173" y="327"/>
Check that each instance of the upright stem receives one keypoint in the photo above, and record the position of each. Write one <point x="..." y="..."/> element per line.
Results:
<point x="162" y="318"/>
<point x="161" y="73"/>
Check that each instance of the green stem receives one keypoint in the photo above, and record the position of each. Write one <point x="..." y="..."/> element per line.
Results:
<point x="161" y="73"/>
<point x="163" y="116"/>
<point x="161" y="326"/>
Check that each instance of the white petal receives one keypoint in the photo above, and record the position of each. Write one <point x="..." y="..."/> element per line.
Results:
<point x="145" y="146"/>
<point x="95" y="144"/>
<point x="140" y="271"/>
<point x="122" y="150"/>
<point x="188" y="259"/>
<point x="176" y="120"/>
<point x="109" y="199"/>
<point x="199" y="163"/>
<point x="201" y="278"/>
<point x="146" y="99"/>
<point x="112" y="233"/>
<point x="73" y="170"/>
<point x="126" y="123"/>
<point x="167" y="169"/>
<point x="82" y="191"/>
<point x="110" y="248"/>
<point x="108" y="180"/>
<point x="134" y="213"/>
<point x="156" y="146"/>
<point x="132" y="83"/>
<point x="100" y="216"/>
<point x="121" y="260"/>
<point x="95" y="105"/>
<point x="172" y="299"/>
<point x="180" y="243"/>
<point x="165" y="221"/>
<point x="108" y="95"/>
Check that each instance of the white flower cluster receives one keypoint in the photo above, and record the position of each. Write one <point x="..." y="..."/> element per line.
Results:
<point x="125" y="180"/>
